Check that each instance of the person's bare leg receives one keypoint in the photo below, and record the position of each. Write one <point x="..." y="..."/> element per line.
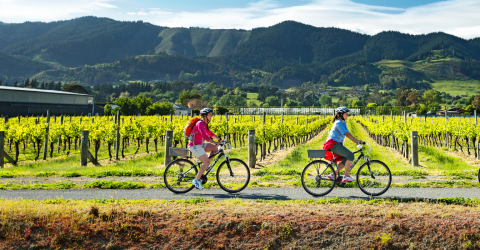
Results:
<point x="210" y="147"/>
<point x="340" y="167"/>
<point x="348" y="164"/>
<point x="206" y="161"/>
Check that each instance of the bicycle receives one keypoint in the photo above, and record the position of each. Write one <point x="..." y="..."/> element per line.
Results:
<point x="233" y="175"/>
<point x="373" y="176"/>
<point x="479" y="175"/>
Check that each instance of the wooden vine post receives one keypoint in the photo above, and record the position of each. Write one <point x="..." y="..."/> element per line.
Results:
<point x="446" y="133"/>
<point x="45" y="144"/>
<point x="4" y="154"/>
<point x="414" y="148"/>
<point x="85" y="154"/>
<point x="264" y="145"/>
<point x="476" y="141"/>
<point x="168" y="144"/>
<point x="251" y="149"/>
<point x="117" y="142"/>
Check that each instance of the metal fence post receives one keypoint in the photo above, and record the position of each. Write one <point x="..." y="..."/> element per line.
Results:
<point x="168" y="144"/>
<point x="84" y="149"/>
<point x="414" y="147"/>
<point x="251" y="149"/>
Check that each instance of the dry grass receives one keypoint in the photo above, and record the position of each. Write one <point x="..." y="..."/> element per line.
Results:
<point x="237" y="224"/>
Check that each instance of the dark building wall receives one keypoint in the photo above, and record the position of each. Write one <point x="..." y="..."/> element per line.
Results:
<point x="24" y="109"/>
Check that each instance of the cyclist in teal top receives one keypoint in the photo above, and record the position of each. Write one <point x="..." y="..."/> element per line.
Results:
<point x="335" y="139"/>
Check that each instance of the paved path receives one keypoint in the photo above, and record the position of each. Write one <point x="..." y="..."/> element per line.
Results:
<point x="247" y="194"/>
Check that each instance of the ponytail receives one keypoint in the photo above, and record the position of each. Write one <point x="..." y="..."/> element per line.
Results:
<point x="337" y="116"/>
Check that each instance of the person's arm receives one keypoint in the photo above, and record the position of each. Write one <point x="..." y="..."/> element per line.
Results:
<point x="350" y="136"/>
<point x="344" y="130"/>
<point x="204" y="132"/>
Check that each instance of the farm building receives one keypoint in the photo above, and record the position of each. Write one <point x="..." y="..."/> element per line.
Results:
<point x="181" y="110"/>
<point x="25" y="101"/>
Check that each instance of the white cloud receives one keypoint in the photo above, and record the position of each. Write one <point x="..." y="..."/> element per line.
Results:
<point x="457" y="17"/>
<point x="14" y="11"/>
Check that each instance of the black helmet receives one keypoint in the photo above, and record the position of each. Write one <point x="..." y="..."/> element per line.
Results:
<point x="206" y="111"/>
<point x="342" y="110"/>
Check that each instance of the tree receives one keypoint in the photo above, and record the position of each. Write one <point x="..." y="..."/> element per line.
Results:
<point x="186" y="96"/>
<point x="126" y="105"/>
<point x="164" y="108"/>
<point x="272" y="101"/>
<point x="459" y="105"/>
<point x="470" y="109"/>
<point x="142" y="103"/>
<point x="422" y="109"/>
<point x="476" y="102"/>
<point x="325" y="100"/>
<point x="431" y="96"/>
<point x="107" y="109"/>
<point x="221" y="110"/>
<point x="74" y="88"/>
<point x="355" y="104"/>
<point x="372" y="105"/>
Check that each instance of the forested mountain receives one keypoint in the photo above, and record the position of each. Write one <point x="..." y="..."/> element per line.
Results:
<point x="92" y="40"/>
<point x="18" y="68"/>
<point x="397" y="46"/>
<point x="91" y="50"/>
<point x="290" y="42"/>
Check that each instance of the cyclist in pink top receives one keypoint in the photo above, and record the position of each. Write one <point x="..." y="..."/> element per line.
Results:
<point x="198" y="147"/>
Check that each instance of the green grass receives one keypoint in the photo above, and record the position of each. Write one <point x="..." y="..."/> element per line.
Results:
<point x="397" y="165"/>
<point x="252" y="96"/>
<point x="148" y="165"/>
<point x="394" y="63"/>
<point x="437" y="161"/>
<point x="457" y="87"/>
<point x="70" y="167"/>
<point x="434" y="161"/>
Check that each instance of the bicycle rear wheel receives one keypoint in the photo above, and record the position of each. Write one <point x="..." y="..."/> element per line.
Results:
<point x="233" y="176"/>
<point x="178" y="176"/>
<point x="315" y="178"/>
<point x="374" y="178"/>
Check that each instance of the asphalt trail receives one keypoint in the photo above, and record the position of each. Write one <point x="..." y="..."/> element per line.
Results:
<point x="247" y="194"/>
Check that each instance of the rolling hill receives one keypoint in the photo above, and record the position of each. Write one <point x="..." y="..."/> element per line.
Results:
<point x="92" y="50"/>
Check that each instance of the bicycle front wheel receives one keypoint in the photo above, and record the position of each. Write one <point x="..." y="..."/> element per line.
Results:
<point x="318" y="178"/>
<point x="374" y="178"/>
<point x="178" y="176"/>
<point x="233" y="175"/>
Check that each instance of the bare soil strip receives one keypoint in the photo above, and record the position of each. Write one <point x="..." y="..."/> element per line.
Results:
<point x="234" y="224"/>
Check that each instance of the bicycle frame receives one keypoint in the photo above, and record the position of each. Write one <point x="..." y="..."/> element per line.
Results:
<point x="355" y="162"/>
<point x="219" y="153"/>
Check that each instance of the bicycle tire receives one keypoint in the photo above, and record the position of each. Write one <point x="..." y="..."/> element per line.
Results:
<point x="170" y="176"/>
<point x="311" y="185"/>
<point x="479" y="175"/>
<point x="227" y="182"/>
<point x="364" y="178"/>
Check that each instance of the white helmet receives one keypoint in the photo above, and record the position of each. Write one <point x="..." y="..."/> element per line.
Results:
<point x="342" y="110"/>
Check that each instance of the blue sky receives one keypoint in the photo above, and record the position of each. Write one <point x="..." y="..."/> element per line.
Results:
<point x="457" y="17"/>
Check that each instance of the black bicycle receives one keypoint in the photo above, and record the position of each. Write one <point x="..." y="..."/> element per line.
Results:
<point x="233" y="175"/>
<point x="319" y="177"/>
